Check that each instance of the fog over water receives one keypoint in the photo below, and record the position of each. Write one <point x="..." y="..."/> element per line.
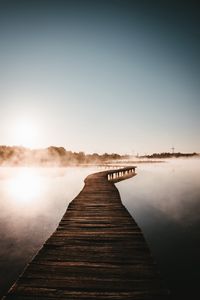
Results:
<point x="32" y="202"/>
<point x="164" y="199"/>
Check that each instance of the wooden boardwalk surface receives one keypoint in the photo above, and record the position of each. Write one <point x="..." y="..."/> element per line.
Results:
<point x="97" y="251"/>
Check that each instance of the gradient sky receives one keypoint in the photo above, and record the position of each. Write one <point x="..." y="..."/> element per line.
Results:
<point x="100" y="76"/>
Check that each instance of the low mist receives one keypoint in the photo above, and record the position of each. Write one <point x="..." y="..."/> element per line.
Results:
<point x="172" y="188"/>
<point x="51" y="156"/>
<point x="164" y="199"/>
<point x="32" y="203"/>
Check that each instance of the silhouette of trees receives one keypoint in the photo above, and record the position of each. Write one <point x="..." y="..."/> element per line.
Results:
<point x="169" y="155"/>
<point x="50" y="156"/>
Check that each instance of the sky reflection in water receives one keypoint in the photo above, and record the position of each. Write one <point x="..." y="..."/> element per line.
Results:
<point x="32" y="202"/>
<point x="163" y="199"/>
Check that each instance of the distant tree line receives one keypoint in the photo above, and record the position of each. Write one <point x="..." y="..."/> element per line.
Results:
<point x="169" y="155"/>
<point x="51" y="156"/>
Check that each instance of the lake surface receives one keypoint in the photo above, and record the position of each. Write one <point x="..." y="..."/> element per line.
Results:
<point x="32" y="202"/>
<point x="164" y="199"/>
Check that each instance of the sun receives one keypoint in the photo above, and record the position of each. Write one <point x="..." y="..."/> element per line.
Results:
<point x="25" y="133"/>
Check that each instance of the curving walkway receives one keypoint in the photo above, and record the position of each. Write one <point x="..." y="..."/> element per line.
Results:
<point x="97" y="251"/>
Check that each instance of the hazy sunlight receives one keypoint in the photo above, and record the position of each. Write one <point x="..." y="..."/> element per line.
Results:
<point x="25" y="134"/>
<point x="25" y="186"/>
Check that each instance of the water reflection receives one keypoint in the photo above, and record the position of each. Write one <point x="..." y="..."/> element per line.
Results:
<point x="172" y="189"/>
<point x="164" y="199"/>
<point x="25" y="186"/>
<point x="32" y="202"/>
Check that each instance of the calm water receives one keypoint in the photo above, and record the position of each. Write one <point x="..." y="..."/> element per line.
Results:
<point x="165" y="201"/>
<point x="32" y="202"/>
<point x="163" y="198"/>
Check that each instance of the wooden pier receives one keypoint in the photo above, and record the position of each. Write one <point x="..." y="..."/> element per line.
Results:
<point x="97" y="251"/>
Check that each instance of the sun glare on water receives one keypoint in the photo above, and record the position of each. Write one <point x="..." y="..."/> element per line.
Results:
<point x="25" y="186"/>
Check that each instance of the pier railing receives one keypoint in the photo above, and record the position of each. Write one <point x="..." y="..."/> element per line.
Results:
<point x="121" y="174"/>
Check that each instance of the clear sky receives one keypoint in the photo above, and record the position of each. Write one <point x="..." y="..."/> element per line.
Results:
<point x="100" y="76"/>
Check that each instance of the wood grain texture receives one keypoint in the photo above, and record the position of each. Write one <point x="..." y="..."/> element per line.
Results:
<point x="97" y="251"/>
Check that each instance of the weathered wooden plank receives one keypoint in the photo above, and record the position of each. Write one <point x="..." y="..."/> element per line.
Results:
<point x="53" y="294"/>
<point x="97" y="252"/>
<point x="62" y="270"/>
